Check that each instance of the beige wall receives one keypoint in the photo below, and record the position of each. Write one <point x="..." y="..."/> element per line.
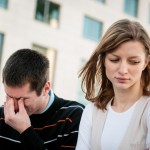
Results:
<point x="22" y="30"/>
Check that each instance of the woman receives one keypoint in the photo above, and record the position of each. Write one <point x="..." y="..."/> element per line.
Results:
<point x="116" y="79"/>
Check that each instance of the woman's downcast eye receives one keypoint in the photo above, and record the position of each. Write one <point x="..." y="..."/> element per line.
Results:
<point x="114" y="60"/>
<point x="134" y="62"/>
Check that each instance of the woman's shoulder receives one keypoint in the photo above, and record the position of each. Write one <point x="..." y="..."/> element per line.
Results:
<point x="90" y="106"/>
<point x="146" y="97"/>
<point x="88" y="110"/>
<point x="145" y="100"/>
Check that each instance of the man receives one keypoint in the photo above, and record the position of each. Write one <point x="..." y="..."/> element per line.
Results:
<point x="33" y="117"/>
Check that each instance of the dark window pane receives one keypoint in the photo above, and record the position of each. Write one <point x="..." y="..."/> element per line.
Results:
<point x="54" y="11"/>
<point x="40" y="10"/>
<point x="48" y="12"/>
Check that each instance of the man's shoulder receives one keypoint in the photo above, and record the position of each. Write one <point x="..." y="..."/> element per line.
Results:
<point x="70" y="104"/>
<point x="73" y="104"/>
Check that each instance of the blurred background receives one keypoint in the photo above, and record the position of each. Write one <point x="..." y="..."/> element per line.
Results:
<point x="66" y="31"/>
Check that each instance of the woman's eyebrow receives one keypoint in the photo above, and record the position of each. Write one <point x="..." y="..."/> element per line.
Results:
<point x="129" y="56"/>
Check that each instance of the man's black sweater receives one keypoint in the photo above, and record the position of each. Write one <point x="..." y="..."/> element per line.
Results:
<point x="55" y="129"/>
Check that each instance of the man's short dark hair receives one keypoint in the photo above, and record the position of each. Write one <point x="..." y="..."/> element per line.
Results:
<point x="26" y="66"/>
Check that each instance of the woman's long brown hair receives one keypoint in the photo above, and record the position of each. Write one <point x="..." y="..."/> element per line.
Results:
<point x="95" y="84"/>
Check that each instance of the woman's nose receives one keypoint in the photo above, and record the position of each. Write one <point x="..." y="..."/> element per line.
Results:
<point x="123" y="68"/>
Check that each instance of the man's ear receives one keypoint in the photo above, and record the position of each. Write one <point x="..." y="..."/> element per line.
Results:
<point x="46" y="88"/>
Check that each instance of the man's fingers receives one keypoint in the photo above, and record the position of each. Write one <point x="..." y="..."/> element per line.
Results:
<point x="21" y="105"/>
<point x="9" y="110"/>
<point x="9" y="106"/>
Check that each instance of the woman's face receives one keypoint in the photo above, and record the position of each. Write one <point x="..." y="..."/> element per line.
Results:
<point x="124" y="65"/>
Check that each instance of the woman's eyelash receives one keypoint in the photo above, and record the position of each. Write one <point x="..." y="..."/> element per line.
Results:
<point x="131" y="61"/>
<point x="114" y="60"/>
<point x="135" y="62"/>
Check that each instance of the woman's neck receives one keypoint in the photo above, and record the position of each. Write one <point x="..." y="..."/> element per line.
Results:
<point x="123" y="100"/>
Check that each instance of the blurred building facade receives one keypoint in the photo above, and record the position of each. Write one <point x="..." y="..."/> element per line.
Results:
<point x="66" y="31"/>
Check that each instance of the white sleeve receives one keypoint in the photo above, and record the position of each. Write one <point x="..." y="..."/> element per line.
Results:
<point x="148" y="125"/>
<point x="85" y="127"/>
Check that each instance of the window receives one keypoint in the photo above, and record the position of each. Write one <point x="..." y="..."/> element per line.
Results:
<point x="3" y="3"/>
<point x="51" y="55"/>
<point x="47" y="12"/>
<point x="1" y="46"/>
<point x="149" y="14"/>
<point x="131" y="7"/>
<point x="92" y="29"/>
<point x="102" y="1"/>
<point x="80" y="94"/>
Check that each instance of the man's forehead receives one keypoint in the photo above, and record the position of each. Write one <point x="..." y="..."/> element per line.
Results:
<point x="17" y="97"/>
<point x="17" y="92"/>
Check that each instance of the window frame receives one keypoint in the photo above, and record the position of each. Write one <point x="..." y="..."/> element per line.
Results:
<point x="5" y="2"/>
<point x="51" y="54"/>
<point x="128" y="7"/>
<point x="89" y="30"/>
<point x="49" y="13"/>
<point x="1" y="46"/>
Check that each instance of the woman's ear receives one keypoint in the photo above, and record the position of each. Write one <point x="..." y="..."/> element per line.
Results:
<point x="148" y="58"/>
<point x="147" y="61"/>
<point x="46" y="88"/>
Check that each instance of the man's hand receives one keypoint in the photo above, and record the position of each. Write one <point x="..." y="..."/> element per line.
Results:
<point x="19" y="120"/>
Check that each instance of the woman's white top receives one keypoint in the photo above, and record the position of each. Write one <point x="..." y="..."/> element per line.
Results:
<point x="114" y="129"/>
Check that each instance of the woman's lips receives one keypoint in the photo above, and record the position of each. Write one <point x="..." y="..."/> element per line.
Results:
<point x="122" y="80"/>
